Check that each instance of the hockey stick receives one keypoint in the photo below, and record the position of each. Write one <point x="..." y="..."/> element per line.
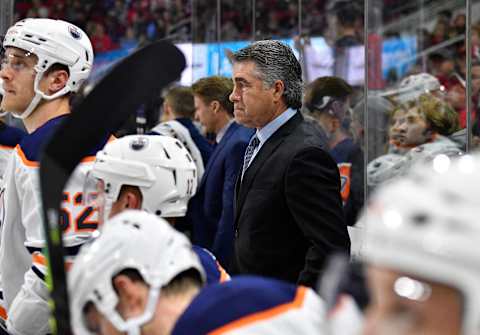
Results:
<point x="133" y="81"/>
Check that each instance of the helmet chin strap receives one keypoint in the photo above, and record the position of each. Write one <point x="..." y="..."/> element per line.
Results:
<point x="133" y="326"/>
<point x="39" y="95"/>
<point x="107" y="209"/>
<point x="33" y="104"/>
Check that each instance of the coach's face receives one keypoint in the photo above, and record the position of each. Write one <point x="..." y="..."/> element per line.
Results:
<point x="254" y="104"/>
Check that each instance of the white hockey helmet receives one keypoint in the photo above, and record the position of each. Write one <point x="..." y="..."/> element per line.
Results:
<point x="426" y="225"/>
<point x="131" y="240"/>
<point x="52" y="41"/>
<point x="160" y="166"/>
<point x="384" y="168"/>
<point x="415" y="85"/>
<point x="176" y="130"/>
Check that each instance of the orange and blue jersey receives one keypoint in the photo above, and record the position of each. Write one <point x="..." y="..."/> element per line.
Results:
<point x="214" y="271"/>
<point x="22" y="239"/>
<point x="253" y="305"/>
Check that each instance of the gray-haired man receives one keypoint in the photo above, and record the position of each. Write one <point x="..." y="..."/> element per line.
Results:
<point x="289" y="215"/>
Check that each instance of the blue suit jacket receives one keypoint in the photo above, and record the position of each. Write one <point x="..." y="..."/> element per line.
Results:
<point x="210" y="211"/>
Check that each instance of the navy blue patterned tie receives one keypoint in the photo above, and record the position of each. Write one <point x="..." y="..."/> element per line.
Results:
<point x="254" y="142"/>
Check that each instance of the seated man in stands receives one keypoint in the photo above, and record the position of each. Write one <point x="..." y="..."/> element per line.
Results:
<point x="424" y="120"/>
<point x="419" y="131"/>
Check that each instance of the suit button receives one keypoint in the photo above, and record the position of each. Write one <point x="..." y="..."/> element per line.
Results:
<point x="236" y="233"/>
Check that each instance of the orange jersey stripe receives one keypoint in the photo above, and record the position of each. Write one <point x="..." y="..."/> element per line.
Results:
<point x="30" y="163"/>
<point x="24" y="158"/>
<point x="38" y="258"/>
<point x="267" y="314"/>
<point x="6" y="147"/>
<point x="223" y="274"/>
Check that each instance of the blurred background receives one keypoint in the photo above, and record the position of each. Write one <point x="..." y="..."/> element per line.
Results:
<point x="373" y="45"/>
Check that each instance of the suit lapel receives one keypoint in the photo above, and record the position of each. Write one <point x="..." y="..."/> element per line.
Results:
<point x="242" y="187"/>
<point x="218" y="149"/>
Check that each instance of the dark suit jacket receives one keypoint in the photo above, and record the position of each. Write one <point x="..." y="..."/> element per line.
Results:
<point x="210" y="211"/>
<point x="288" y="215"/>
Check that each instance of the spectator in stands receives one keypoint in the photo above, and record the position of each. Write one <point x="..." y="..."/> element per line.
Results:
<point x="422" y="121"/>
<point x="419" y="132"/>
<point x="456" y="96"/>
<point x="100" y="40"/>
<point x="348" y="15"/>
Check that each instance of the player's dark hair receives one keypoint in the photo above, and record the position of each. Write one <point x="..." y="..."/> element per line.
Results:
<point x="181" y="282"/>
<point x="57" y="67"/>
<point x="131" y="188"/>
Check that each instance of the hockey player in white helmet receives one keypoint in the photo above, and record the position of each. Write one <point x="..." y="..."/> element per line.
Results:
<point x="43" y="63"/>
<point x="117" y="287"/>
<point x="175" y="129"/>
<point x="154" y="173"/>
<point x="421" y="244"/>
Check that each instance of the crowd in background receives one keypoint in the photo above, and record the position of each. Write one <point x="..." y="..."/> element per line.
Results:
<point x="441" y="49"/>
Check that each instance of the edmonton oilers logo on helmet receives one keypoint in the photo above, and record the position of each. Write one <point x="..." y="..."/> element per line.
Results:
<point x="74" y="32"/>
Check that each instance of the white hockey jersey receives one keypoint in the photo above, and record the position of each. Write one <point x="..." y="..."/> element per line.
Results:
<point x="22" y="264"/>
<point x="9" y="138"/>
<point x="253" y="305"/>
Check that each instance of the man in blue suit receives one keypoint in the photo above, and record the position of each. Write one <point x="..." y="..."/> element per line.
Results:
<point x="211" y="210"/>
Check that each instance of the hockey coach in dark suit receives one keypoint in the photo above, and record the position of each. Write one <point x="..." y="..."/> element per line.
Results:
<point x="288" y="208"/>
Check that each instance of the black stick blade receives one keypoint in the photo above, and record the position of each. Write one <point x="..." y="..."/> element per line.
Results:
<point x="133" y="81"/>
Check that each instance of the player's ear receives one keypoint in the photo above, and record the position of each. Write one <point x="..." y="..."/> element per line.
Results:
<point x="130" y="197"/>
<point x="132" y="296"/>
<point x="132" y="200"/>
<point x="56" y="80"/>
